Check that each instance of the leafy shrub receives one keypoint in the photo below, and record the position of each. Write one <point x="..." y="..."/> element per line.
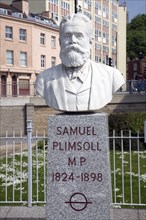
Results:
<point x="41" y="143"/>
<point x="133" y="121"/>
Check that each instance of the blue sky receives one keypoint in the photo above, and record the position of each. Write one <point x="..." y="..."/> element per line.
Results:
<point x="135" y="7"/>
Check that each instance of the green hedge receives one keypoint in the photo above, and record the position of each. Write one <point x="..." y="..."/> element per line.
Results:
<point x="133" y="121"/>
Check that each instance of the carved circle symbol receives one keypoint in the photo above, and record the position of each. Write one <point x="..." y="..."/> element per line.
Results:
<point x="78" y="201"/>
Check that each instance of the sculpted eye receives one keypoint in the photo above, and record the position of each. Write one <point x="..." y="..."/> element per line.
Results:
<point x="79" y="35"/>
<point x="67" y="35"/>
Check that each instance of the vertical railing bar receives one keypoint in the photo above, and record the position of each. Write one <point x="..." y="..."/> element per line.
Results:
<point x="21" y="166"/>
<point x="139" y="190"/>
<point x="13" y="165"/>
<point x="122" y="166"/>
<point x="37" y="165"/>
<point x="115" y="199"/>
<point x="131" y="195"/>
<point x="6" y="194"/>
<point x="145" y="127"/>
<point x="44" y="169"/>
<point x="29" y="138"/>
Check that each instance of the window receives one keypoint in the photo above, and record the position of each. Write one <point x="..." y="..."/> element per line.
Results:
<point x="98" y="46"/>
<point x="14" y="85"/>
<point x="17" y="14"/>
<point x="3" y="11"/>
<point x="97" y="19"/>
<point x="22" y="34"/>
<point x="114" y="26"/>
<point x="23" y="59"/>
<point x="105" y="49"/>
<point x="53" y="61"/>
<point x="65" y="5"/>
<point x="54" y="2"/>
<point x="24" y="87"/>
<point x="96" y="59"/>
<point x="8" y="32"/>
<point x="87" y="14"/>
<point x="105" y="23"/>
<point x="10" y="57"/>
<point x="42" y="39"/>
<point x="3" y="85"/>
<point x="43" y="61"/>
<point x="53" y="41"/>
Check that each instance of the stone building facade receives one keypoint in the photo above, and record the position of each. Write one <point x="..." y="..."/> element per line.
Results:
<point x="29" y="44"/>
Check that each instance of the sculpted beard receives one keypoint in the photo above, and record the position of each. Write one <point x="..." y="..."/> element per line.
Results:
<point x="74" y="56"/>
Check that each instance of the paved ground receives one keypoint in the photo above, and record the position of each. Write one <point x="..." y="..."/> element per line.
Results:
<point x="38" y="213"/>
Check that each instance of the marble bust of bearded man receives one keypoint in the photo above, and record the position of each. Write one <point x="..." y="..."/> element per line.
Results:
<point x="78" y="84"/>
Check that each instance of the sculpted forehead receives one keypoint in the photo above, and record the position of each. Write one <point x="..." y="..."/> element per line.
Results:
<point x="76" y="25"/>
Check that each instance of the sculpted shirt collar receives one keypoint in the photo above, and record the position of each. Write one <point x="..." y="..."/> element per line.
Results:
<point x="77" y="72"/>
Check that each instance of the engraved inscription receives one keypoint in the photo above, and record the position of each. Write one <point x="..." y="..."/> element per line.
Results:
<point x="78" y="201"/>
<point x="83" y="177"/>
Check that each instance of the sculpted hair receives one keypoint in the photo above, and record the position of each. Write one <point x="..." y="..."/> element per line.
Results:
<point x="79" y="17"/>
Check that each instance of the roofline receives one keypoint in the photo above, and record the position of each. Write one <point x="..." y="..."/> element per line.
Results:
<point x="29" y="21"/>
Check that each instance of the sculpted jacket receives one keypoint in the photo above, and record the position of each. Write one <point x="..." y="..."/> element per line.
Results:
<point x="105" y="80"/>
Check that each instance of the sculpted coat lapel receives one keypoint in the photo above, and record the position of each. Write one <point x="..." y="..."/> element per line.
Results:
<point x="53" y="83"/>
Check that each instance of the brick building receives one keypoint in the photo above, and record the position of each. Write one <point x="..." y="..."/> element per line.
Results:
<point x="136" y="67"/>
<point x="28" y="44"/>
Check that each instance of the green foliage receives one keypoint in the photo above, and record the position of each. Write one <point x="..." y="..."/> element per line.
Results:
<point x="42" y="143"/>
<point x="136" y="36"/>
<point x="133" y="121"/>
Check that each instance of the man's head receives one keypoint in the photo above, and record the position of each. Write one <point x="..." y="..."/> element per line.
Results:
<point x="75" y="40"/>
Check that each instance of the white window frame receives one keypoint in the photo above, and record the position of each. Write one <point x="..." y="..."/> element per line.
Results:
<point x="9" y="32"/>
<point x="53" y="41"/>
<point x="22" y="34"/>
<point x="53" y="61"/>
<point x="43" y="61"/>
<point x="10" y="57"/>
<point x="42" y="38"/>
<point x="23" y="59"/>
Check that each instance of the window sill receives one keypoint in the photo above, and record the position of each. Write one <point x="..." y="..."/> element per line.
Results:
<point x="9" y="39"/>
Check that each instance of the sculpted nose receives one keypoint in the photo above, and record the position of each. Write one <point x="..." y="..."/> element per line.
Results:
<point x="73" y="39"/>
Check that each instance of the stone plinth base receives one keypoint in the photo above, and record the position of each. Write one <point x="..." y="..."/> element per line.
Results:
<point x="78" y="185"/>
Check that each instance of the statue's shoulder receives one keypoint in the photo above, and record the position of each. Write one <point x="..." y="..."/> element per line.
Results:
<point x="45" y="77"/>
<point x="101" y="66"/>
<point x="106" y="70"/>
<point x="50" y="73"/>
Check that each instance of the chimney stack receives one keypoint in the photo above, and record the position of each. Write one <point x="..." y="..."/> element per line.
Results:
<point x="22" y="5"/>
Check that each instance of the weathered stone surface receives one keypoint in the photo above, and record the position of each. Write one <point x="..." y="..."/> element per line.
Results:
<point x="78" y="185"/>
